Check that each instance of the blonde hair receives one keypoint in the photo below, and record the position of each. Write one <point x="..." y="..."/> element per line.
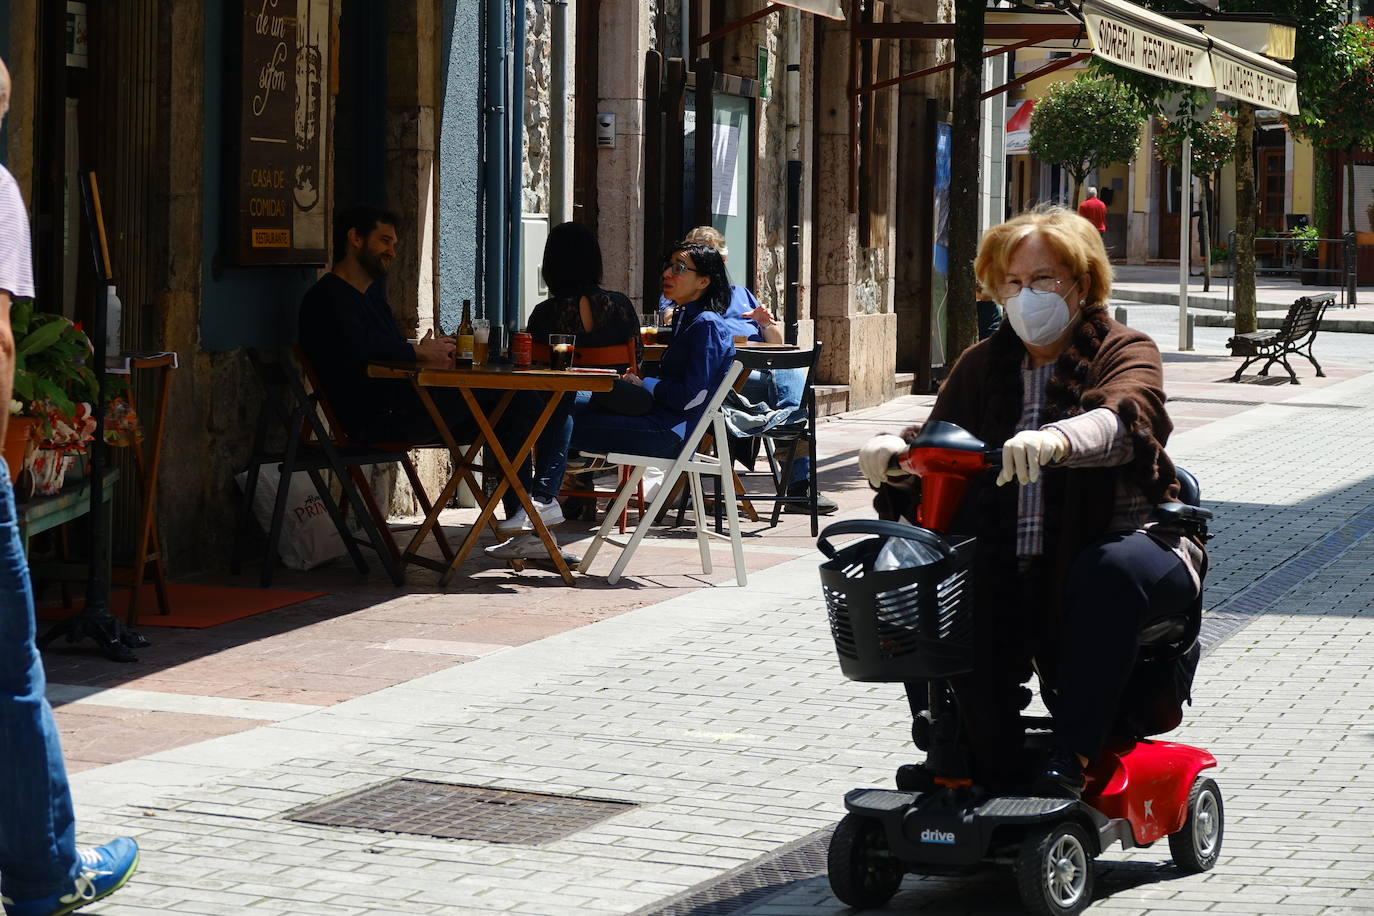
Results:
<point x="1074" y="240"/>
<point x="709" y="235"/>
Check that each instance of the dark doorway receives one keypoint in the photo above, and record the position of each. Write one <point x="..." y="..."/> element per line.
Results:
<point x="586" y="94"/>
<point x="1169" y="181"/>
<point x="1270" y="187"/>
<point x="360" y="114"/>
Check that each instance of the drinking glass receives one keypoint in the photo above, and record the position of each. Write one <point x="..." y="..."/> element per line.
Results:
<point x="481" y="336"/>
<point x="561" y="351"/>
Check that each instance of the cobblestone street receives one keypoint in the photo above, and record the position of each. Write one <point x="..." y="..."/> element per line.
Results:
<point x="721" y="715"/>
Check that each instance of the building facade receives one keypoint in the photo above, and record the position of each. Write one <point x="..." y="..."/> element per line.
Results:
<point x="825" y="184"/>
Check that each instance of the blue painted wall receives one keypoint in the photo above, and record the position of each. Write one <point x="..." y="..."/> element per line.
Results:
<point x="248" y="306"/>
<point x="460" y="158"/>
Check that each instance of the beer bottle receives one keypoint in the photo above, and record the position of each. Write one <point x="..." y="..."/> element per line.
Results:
<point x="464" y="355"/>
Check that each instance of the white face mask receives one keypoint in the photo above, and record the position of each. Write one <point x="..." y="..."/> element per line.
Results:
<point x="1038" y="318"/>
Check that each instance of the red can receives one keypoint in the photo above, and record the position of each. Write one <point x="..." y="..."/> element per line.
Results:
<point x="522" y="350"/>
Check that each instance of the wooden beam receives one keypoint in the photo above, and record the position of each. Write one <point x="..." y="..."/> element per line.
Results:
<point x="721" y="32"/>
<point x="1021" y="80"/>
<point x="907" y="77"/>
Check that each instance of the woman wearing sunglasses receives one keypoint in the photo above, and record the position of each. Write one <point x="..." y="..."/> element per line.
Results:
<point x="644" y="416"/>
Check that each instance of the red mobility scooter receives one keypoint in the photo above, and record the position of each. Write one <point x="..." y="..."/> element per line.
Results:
<point x="913" y="622"/>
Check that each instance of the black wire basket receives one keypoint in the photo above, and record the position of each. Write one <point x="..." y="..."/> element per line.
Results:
<point x="907" y="624"/>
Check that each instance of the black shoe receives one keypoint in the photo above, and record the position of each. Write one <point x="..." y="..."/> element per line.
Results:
<point x="798" y="491"/>
<point x="1061" y="778"/>
<point x="914" y="777"/>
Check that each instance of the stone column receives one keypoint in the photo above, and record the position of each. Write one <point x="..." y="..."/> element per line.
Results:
<point x="19" y="123"/>
<point x="410" y="151"/>
<point x="624" y="28"/>
<point x="853" y="297"/>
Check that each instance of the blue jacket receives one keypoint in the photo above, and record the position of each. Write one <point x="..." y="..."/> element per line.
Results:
<point x="691" y="368"/>
<point x="741" y="301"/>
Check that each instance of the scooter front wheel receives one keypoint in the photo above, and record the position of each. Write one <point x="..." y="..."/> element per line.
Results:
<point x="863" y="871"/>
<point x="1196" y="847"/>
<point x="1054" y="870"/>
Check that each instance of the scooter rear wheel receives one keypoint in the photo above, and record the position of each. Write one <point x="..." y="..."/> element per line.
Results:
<point x="1196" y="847"/>
<point x="1054" y="870"/>
<point x="863" y="871"/>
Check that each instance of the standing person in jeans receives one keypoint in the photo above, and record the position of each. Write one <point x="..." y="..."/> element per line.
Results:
<point x="777" y="389"/>
<point x="42" y="872"/>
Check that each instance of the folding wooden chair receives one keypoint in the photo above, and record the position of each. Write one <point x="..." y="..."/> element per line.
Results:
<point x="691" y="463"/>
<point x="288" y="411"/>
<point x="402" y="449"/>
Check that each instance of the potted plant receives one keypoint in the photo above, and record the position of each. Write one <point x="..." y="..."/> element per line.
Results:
<point x="1221" y="260"/>
<point x="1305" y="250"/>
<point x="53" y="390"/>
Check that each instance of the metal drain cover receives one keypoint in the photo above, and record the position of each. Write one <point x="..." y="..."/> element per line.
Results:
<point x="457" y="812"/>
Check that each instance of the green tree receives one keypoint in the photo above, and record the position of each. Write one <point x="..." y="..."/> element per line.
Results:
<point x="1084" y="124"/>
<point x="1318" y="61"/>
<point x="1338" y="114"/>
<point x="1213" y="145"/>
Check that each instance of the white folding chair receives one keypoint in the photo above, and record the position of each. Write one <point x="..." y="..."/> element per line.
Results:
<point x="693" y="464"/>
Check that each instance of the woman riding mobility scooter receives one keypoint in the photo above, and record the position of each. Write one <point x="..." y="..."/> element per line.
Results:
<point x="900" y="610"/>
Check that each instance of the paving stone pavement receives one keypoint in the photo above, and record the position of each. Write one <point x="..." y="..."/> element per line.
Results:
<point x="723" y="715"/>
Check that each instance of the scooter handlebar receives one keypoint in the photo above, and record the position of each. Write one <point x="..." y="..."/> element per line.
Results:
<point x="992" y="458"/>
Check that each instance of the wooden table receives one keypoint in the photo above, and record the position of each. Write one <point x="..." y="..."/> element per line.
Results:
<point x="491" y="378"/>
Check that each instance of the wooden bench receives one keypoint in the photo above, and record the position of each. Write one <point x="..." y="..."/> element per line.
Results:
<point x="1299" y="329"/>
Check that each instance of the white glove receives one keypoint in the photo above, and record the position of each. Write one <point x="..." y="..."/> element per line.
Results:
<point x="876" y="455"/>
<point x="1024" y="454"/>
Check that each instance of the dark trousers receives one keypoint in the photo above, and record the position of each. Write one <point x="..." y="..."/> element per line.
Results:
<point x="1115" y="588"/>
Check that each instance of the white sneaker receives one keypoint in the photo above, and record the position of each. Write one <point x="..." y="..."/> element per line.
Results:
<point x="551" y="512"/>
<point x="520" y="547"/>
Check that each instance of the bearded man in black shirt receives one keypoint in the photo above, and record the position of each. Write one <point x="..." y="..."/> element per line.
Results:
<point x="345" y="323"/>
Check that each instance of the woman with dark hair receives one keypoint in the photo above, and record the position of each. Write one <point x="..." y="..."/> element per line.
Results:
<point x="669" y="403"/>
<point x="577" y="304"/>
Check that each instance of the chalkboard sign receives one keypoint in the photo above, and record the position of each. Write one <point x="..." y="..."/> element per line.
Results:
<point x="282" y="57"/>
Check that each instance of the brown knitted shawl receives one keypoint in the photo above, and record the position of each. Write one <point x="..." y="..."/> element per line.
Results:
<point x="1105" y="365"/>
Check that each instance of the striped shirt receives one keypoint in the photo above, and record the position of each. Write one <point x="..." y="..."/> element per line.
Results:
<point x="16" y="259"/>
<point x="1097" y="439"/>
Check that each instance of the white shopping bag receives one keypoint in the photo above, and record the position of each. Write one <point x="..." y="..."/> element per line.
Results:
<point x="308" y="536"/>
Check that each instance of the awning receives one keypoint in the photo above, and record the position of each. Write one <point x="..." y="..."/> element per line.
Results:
<point x="1018" y="128"/>
<point x="831" y="9"/>
<point x="1141" y="40"/>
<point x="1251" y="78"/>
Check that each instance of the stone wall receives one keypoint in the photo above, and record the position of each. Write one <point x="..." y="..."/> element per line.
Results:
<point x="538" y="135"/>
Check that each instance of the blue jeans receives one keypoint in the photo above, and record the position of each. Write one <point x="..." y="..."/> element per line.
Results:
<point x="781" y="388"/>
<point x="37" y="827"/>
<point x="576" y="425"/>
